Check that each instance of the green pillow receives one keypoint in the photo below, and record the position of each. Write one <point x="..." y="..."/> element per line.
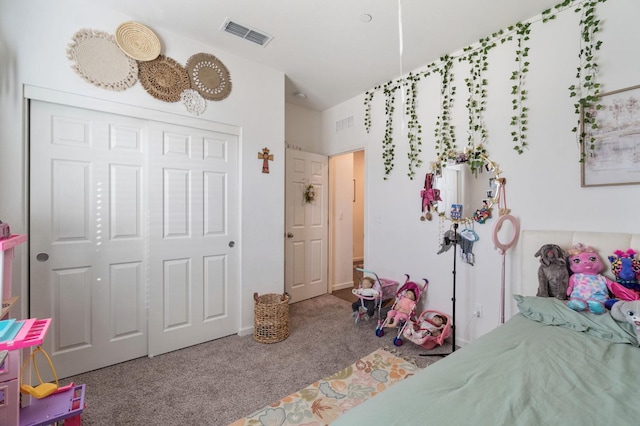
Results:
<point x="551" y="311"/>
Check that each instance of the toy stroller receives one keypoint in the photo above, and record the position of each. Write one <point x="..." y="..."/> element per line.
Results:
<point x="421" y="331"/>
<point x="403" y="311"/>
<point x="372" y="292"/>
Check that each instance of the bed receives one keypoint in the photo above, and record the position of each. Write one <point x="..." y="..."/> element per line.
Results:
<point x="546" y="365"/>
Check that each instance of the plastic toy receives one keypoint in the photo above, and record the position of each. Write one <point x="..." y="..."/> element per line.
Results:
<point x="43" y="389"/>
<point x="422" y="331"/>
<point x="400" y="319"/>
<point x="371" y="293"/>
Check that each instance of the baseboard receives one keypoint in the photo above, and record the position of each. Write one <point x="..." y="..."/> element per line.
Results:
<point x="341" y="286"/>
<point x="247" y="331"/>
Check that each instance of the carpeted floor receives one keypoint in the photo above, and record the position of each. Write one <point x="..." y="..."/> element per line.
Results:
<point x="218" y="382"/>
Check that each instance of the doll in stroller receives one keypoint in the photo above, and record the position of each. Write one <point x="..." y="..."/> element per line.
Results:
<point x="403" y="311"/>
<point x="429" y="330"/>
<point x="372" y="292"/>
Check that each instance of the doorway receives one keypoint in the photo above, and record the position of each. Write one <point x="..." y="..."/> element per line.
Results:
<point x="347" y="173"/>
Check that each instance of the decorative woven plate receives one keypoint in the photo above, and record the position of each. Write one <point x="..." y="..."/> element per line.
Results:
<point x="193" y="101"/>
<point x="138" y="41"/>
<point x="209" y="76"/>
<point x="99" y="60"/>
<point x="163" y="78"/>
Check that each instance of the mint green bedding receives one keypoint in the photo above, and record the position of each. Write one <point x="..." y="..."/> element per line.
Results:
<point x="547" y="365"/>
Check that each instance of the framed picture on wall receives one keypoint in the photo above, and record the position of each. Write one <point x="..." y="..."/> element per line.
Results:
<point x="616" y="157"/>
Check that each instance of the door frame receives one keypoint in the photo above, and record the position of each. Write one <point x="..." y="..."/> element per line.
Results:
<point x="105" y="106"/>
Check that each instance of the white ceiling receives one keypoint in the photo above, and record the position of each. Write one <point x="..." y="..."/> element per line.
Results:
<point x="323" y="47"/>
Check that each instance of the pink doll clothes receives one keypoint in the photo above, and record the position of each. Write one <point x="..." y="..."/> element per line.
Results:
<point x="402" y="311"/>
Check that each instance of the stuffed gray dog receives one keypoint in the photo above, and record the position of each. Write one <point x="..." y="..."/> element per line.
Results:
<point x="553" y="275"/>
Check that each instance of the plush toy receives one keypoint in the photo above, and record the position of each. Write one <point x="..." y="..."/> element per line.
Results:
<point x="587" y="288"/>
<point x="625" y="267"/>
<point x="628" y="311"/>
<point x="553" y="275"/>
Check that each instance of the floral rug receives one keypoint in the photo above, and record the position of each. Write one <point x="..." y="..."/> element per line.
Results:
<point x="325" y="400"/>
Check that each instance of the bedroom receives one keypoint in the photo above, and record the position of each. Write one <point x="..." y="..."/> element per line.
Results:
<point x="543" y="183"/>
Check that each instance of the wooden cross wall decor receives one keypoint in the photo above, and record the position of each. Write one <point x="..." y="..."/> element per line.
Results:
<point x="265" y="157"/>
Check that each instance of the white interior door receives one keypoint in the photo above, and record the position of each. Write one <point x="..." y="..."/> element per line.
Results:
<point x="130" y="229"/>
<point x="87" y="239"/>
<point x="306" y="225"/>
<point x="193" y="238"/>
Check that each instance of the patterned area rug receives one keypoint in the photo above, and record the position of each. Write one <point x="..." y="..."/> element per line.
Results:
<point x="324" y="401"/>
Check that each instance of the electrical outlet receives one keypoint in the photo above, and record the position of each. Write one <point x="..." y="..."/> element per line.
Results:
<point x="477" y="312"/>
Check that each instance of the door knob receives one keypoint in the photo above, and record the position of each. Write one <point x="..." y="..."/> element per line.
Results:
<point x="232" y="243"/>
<point x="42" y="257"/>
<point x="290" y="235"/>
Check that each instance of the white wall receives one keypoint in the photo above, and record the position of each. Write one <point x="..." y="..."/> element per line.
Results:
<point x="303" y="128"/>
<point x="543" y="184"/>
<point x="34" y="36"/>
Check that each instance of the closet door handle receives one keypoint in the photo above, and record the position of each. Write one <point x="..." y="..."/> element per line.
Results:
<point x="42" y="257"/>
<point x="232" y="244"/>
<point x="290" y="235"/>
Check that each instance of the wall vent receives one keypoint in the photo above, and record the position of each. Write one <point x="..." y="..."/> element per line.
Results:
<point x="247" y="33"/>
<point x="344" y="124"/>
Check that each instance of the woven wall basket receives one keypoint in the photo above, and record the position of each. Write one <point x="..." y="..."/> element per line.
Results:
<point x="163" y="78"/>
<point x="138" y="41"/>
<point x="209" y="76"/>
<point x="271" y="317"/>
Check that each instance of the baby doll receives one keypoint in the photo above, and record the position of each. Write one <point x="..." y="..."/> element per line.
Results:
<point x="402" y="310"/>
<point x="367" y="289"/>
<point x="587" y="288"/>
<point x="429" y="327"/>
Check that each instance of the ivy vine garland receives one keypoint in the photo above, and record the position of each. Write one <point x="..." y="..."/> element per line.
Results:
<point x="445" y="135"/>
<point x="388" y="147"/>
<point x="587" y="91"/>
<point x="588" y="88"/>
<point x="519" y="120"/>
<point x="414" y="127"/>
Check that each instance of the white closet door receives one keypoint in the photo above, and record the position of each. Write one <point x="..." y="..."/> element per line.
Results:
<point x="87" y="238"/>
<point x="132" y="225"/>
<point x="193" y="236"/>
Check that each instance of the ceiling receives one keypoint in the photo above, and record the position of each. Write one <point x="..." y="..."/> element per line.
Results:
<point x="323" y="47"/>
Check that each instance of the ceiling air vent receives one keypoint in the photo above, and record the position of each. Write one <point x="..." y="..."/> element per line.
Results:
<point x="247" y="33"/>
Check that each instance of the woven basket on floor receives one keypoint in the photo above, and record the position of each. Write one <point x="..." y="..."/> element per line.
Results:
<point x="271" y="317"/>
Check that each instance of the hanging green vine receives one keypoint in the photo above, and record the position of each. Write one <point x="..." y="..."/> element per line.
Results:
<point x="477" y="99"/>
<point x="368" y="97"/>
<point x="388" y="146"/>
<point x="587" y="89"/>
<point x="445" y="135"/>
<point x="413" y="125"/>
<point x="519" y="121"/>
